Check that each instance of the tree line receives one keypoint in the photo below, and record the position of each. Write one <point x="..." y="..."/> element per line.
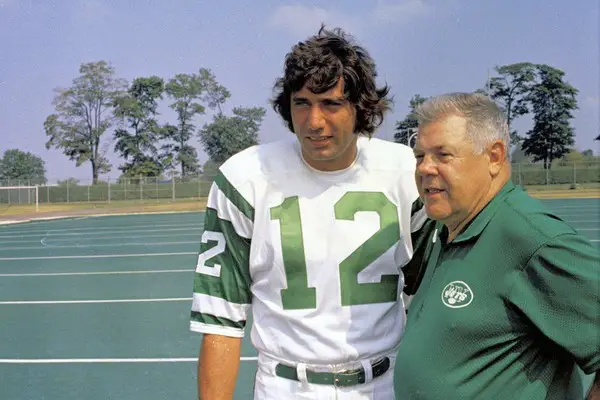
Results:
<point x="98" y="103"/>
<point x="522" y="89"/>
<point x="99" y="106"/>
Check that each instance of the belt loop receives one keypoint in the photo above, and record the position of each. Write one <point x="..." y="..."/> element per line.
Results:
<point x="301" y="372"/>
<point x="366" y="364"/>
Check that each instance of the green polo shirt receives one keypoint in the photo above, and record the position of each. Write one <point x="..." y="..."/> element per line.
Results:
<point x="508" y="310"/>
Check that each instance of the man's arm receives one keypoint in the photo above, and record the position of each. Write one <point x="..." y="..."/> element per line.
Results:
<point x="594" y="393"/>
<point x="221" y="296"/>
<point x="559" y="292"/>
<point x="218" y="365"/>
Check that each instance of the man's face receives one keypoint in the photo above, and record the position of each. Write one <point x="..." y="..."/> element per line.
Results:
<point x="451" y="179"/>
<point x="324" y="124"/>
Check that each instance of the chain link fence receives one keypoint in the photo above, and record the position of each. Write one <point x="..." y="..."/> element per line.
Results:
<point x="141" y="189"/>
<point x="563" y="175"/>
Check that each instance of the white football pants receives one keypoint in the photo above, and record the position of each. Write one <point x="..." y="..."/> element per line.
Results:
<point x="269" y="386"/>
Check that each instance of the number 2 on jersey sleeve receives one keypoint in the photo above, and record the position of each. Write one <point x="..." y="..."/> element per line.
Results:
<point x="298" y="295"/>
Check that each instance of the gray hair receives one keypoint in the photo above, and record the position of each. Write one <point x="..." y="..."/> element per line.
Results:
<point x="486" y="121"/>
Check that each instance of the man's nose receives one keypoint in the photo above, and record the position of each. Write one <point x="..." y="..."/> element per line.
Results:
<point x="316" y="119"/>
<point x="426" y="166"/>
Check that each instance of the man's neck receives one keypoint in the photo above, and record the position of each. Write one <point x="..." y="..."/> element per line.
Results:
<point x="340" y="163"/>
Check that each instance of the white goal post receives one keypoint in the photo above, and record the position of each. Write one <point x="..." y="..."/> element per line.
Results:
<point x="19" y="195"/>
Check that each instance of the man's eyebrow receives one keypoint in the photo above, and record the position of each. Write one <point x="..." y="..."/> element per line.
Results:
<point x="335" y="98"/>
<point x="339" y="99"/>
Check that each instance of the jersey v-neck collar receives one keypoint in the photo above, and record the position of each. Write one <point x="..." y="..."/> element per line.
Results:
<point x="478" y="224"/>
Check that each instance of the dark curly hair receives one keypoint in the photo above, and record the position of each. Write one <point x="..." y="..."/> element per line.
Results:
<point x="320" y="62"/>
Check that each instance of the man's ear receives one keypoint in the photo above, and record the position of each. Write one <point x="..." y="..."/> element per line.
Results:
<point x="497" y="157"/>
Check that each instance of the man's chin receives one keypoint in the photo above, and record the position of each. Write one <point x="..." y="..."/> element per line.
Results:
<point x="435" y="212"/>
<point x="318" y="154"/>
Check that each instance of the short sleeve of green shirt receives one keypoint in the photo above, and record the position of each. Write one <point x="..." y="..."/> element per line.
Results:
<point x="559" y="291"/>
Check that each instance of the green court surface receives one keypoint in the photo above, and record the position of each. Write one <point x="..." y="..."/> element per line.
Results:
<point x="98" y="307"/>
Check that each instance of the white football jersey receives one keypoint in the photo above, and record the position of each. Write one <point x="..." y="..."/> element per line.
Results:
<point x="316" y="256"/>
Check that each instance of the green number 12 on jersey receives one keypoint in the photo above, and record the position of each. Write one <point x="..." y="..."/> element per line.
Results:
<point x="298" y="295"/>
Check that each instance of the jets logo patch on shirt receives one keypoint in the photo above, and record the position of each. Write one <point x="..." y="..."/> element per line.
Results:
<point x="457" y="294"/>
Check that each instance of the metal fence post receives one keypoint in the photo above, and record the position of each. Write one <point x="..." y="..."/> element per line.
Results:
<point x="173" y="187"/>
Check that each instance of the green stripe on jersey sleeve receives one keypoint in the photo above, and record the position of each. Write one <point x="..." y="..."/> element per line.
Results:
<point x="223" y="269"/>
<point x="234" y="196"/>
<point x="218" y="321"/>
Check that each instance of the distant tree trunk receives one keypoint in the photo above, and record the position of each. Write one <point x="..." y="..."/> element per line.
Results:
<point x="94" y="172"/>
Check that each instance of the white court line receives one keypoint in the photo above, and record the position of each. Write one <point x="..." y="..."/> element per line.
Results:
<point x="579" y="214"/>
<point x="155" y="271"/>
<point x="94" y="301"/>
<point x="86" y="246"/>
<point x="103" y="360"/>
<point x="193" y="227"/>
<point x="92" y="228"/>
<point x="578" y="207"/>
<point x="98" y="256"/>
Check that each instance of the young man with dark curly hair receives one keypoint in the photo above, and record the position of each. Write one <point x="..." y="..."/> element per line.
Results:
<point x="311" y="234"/>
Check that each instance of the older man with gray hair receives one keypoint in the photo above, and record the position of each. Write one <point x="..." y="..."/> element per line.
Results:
<point x="509" y="302"/>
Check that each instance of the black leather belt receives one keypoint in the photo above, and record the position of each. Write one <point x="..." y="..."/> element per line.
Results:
<point x="343" y="378"/>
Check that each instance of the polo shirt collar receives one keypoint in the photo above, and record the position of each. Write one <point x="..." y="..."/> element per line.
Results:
<point x="478" y="224"/>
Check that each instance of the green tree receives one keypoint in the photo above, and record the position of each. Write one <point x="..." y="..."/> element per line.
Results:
<point x="68" y="182"/>
<point x="510" y="91"/>
<point x="187" y="90"/>
<point x="137" y="109"/>
<point x="226" y="136"/>
<point x="572" y="156"/>
<point x="409" y="124"/>
<point x="210" y="169"/>
<point x="553" y="101"/>
<point x="518" y="155"/>
<point x="83" y="116"/>
<point x="216" y="94"/>
<point x="589" y="153"/>
<point x="209" y="172"/>
<point x="22" y="166"/>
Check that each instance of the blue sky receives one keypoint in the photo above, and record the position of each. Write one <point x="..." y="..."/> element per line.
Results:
<point x="420" y="46"/>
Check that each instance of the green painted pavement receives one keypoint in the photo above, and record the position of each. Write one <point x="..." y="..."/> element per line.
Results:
<point x="123" y="330"/>
<point x="97" y="287"/>
<point x="151" y="381"/>
<point x="83" y="265"/>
